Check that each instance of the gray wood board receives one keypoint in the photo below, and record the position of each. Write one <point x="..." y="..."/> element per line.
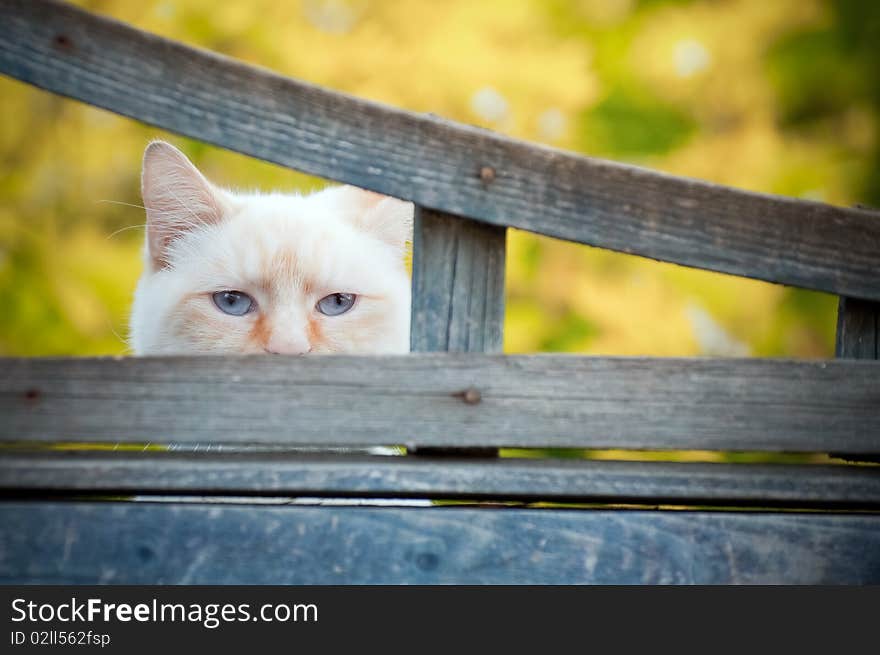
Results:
<point x="427" y="399"/>
<point x="437" y="163"/>
<point x="166" y="543"/>
<point x="858" y="329"/>
<point x="297" y="474"/>
<point x="458" y="284"/>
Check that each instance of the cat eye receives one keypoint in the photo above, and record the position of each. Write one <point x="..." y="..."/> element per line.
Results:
<point x="234" y="303"/>
<point x="336" y="303"/>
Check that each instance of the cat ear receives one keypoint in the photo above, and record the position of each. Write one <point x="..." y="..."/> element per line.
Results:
<point x="387" y="218"/>
<point x="177" y="197"/>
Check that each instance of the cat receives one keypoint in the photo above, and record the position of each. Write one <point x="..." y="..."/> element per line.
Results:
<point x="274" y="273"/>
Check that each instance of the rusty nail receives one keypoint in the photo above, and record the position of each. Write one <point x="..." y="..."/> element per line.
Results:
<point x="487" y="174"/>
<point x="62" y="41"/>
<point x="32" y="394"/>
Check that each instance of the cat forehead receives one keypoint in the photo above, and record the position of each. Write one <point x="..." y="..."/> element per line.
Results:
<point x="279" y="244"/>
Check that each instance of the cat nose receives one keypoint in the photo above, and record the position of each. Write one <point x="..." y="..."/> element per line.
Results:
<point x="287" y="345"/>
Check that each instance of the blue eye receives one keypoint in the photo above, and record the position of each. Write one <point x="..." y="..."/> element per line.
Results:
<point x="234" y="303"/>
<point x="336" y="303"/>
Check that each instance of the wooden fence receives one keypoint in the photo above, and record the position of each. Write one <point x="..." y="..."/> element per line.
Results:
<point x="793" y="522"/>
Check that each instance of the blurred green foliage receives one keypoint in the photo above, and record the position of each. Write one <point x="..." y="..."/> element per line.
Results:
<point x="781" y="97"/>
<point x="627" y="124"/>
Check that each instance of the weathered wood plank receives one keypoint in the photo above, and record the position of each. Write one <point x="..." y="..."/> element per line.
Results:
<point x="437" y="163"/>
<point x="858" y="329"/>
<point x="449" y="400"/>
<point x="147" y="543"/>
<point x="458" y="284"/>
<point x="286" y="474"/>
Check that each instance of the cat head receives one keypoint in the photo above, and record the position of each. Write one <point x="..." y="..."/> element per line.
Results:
<point x="267" y="273"/>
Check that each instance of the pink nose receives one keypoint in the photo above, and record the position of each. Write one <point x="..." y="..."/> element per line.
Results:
<point x="285" y="344"/>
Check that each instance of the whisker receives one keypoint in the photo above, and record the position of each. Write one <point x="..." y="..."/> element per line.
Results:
<point x="129" y="204"/>
<point x="117" y="335"/>
<point x="119" y="202"/>
<point x="123" y="229"/>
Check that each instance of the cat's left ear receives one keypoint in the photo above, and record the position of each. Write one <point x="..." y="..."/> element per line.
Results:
<point x="178" y="199"/>
<point x="385" y="217"/>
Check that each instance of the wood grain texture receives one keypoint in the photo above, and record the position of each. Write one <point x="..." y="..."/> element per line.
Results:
<point x="858" y="329"/>
<point x="297" y="474"/>
<point x="458" y="284"/>
<point x="458" y="295"/>
<point x="858" y="337"/>
<point x="423" y="400"/>
<point x="148" y="543"/>
<point x="437" y="163"/>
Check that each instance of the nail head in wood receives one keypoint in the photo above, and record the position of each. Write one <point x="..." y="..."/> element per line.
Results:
<point x="62" y="41"/>
<point x="472" y="396"/>
<point x="487" y="174"/>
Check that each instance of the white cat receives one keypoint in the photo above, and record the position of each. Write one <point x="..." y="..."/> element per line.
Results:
<point x="268" y="273"/>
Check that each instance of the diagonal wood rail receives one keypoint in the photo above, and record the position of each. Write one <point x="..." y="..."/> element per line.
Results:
<point x="438" y="164"/>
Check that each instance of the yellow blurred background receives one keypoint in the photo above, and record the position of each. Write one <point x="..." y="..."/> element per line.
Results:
<point x="780" y="96"/>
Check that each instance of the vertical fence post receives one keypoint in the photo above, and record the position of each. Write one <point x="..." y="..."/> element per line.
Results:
<point x="858" y="337"/>
<point x="858" y="333"/>
<point x="458" y="292"/>
<point x="858" y="329"/>
<point x="858" y="326"/>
